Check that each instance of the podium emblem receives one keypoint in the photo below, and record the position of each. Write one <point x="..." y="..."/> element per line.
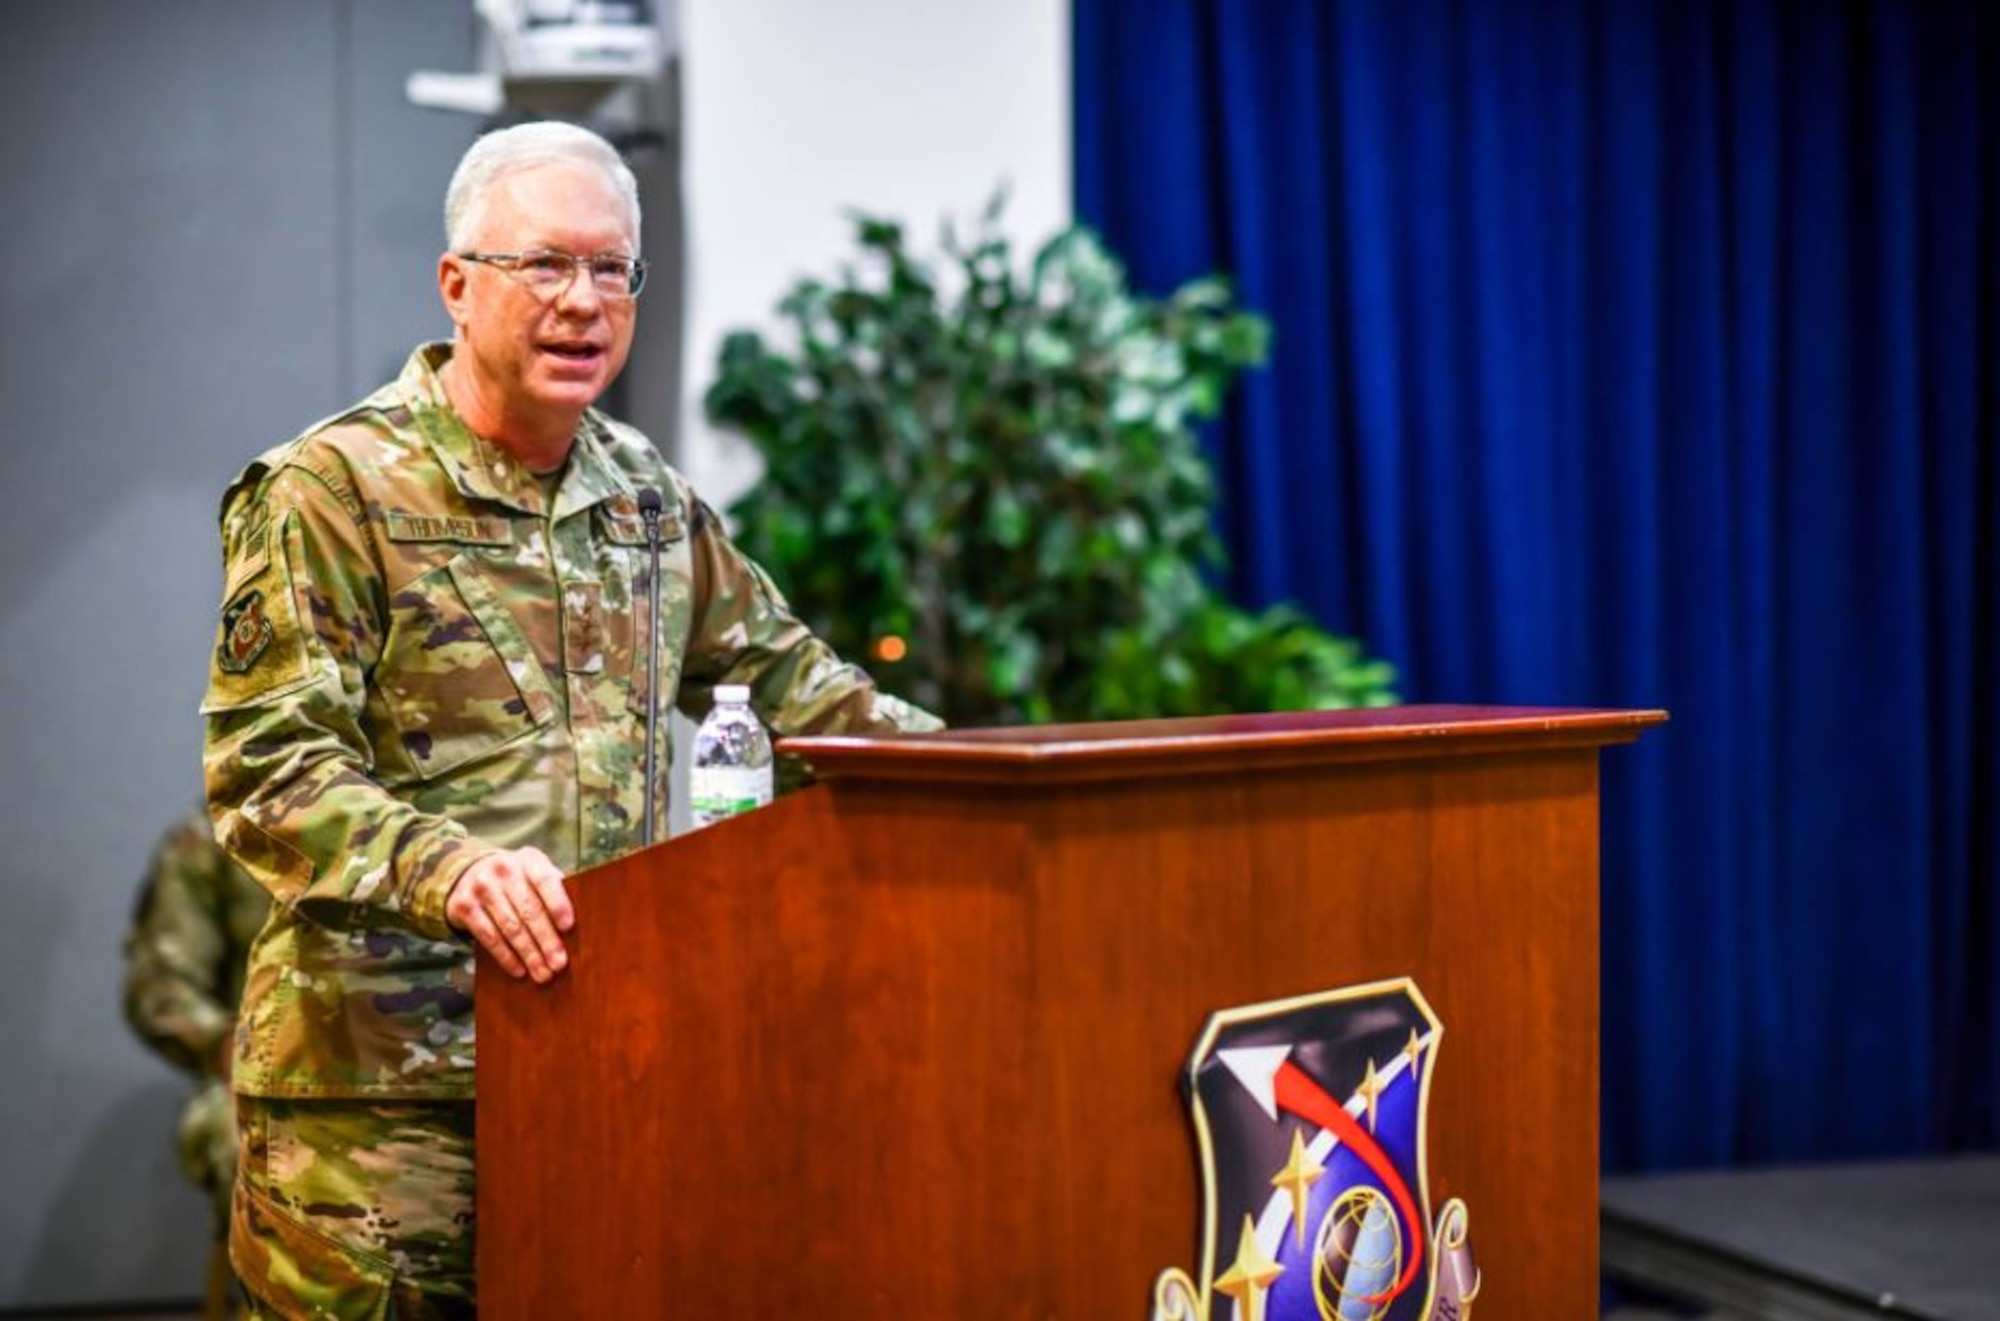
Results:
<point x="1309" y="1119"/>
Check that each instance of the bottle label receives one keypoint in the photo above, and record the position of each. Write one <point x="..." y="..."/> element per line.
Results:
<point x="716" y="792"/>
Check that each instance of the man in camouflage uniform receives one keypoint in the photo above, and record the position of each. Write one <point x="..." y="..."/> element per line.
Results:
<point x="191" y="932"/>
<point x="428" y="703"/>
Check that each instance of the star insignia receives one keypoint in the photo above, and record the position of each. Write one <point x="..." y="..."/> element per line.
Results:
<point x="1301" y="1172"/>
<point x="1370" y="1090"/>
<point x="1250" y="1276"/>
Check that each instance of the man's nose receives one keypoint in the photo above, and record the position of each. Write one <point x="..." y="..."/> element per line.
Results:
<point x="581" y="294"/>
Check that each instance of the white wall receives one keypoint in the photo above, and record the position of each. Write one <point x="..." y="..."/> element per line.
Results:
<point x="794" y="111"/>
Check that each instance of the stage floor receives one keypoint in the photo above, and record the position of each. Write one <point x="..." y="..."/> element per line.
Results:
<point x="1911" y="1239"/>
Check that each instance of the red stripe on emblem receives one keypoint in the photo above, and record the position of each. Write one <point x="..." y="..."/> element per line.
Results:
<point x="1298" y="1093"/>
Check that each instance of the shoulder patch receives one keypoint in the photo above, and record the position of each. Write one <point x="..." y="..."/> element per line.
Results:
<point x="260" y="651"/>
<point x="246" y="632"/>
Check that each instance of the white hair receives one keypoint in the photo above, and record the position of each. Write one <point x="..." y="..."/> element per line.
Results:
<point x="522" y="147"/>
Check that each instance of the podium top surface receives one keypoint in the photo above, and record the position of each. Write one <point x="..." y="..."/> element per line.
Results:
<point x="1139" y="749"/>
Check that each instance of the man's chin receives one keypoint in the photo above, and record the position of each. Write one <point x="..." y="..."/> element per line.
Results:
<point x="576" y="392"/>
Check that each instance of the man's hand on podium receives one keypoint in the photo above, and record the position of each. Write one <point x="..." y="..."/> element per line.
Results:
<point x="513" y="903"/>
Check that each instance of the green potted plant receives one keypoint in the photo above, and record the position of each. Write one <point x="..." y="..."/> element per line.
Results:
<point x="989" y="483"/>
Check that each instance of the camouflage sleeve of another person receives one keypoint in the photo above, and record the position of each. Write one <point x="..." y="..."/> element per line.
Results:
<point x="287" y="757"/>
<point x="175" y="981"/>
<point x="744" y="632"/>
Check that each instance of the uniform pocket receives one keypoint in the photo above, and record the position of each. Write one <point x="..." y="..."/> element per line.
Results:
<point x="457" y="677"/>
<point x="294" y="1271"/>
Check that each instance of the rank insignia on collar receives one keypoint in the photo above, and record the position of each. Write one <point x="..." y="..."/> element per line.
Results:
<point x="1309" y="1116"/>
<point x="246" y="632"/>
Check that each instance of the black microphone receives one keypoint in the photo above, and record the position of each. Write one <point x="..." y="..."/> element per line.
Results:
<point x="649" y="509"/>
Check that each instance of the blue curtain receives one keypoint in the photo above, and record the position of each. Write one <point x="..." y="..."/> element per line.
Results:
<point x="1641" y="354"/>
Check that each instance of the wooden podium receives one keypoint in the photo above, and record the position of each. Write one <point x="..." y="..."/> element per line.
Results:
<point x="911" y="1042"/>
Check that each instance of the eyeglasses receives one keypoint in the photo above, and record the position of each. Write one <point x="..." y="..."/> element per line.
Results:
<point x="547" y="274"/>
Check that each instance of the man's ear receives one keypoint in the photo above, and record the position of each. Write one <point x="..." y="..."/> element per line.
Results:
<point x="452" y="282"/>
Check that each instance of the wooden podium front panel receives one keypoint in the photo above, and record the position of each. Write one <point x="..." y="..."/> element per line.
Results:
<point x="1475" y="878"/>
<point x="916" y="1049"/>
<point x="807" y="1040"/>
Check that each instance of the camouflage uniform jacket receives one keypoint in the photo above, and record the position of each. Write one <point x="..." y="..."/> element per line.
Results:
<point x="418" y="664"/>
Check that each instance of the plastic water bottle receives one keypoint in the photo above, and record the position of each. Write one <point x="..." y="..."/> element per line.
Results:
<point x="731" y="773"/>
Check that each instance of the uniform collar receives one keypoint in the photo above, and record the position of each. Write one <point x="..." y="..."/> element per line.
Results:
<point x="484" y="471"/>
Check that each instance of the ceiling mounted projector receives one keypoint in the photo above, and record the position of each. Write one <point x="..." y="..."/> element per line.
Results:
<point x="550" y="56"/>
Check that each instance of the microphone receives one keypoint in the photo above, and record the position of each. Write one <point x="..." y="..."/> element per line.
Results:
<point x="649" y="509"/>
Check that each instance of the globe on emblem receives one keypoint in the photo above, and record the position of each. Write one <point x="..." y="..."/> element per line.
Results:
<point x="1357" y="1255"/>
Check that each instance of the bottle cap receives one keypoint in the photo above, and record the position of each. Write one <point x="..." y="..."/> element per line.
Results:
<point x="732" y="692"/>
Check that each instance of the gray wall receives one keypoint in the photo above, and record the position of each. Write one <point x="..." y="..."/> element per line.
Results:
<point x="221" y="222"/>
